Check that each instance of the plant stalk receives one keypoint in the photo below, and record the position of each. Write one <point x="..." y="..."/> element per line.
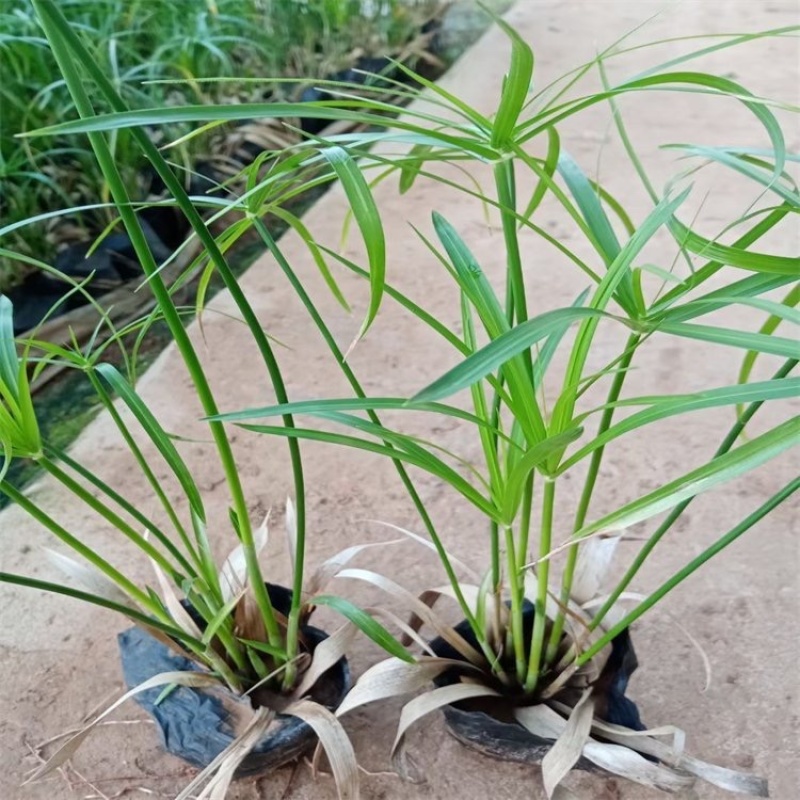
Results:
<point x="55" y="26"/>
<point x="542" y="577"/>
<point x="586" y="497"/>
<point x="728" y="442"/>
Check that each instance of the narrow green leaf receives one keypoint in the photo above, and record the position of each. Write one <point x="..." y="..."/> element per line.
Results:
<point x="325" y="406"/>
<point x="412" y="166"/>
<point x="158" y="436"/>
<point x="769" y="326"/>
<point x="369" y="222"/>
<point x="410" y="455"/>
<point x="669" y="406"/>
<point x="724" y="468"/>
<point x="87" y="597"/>
<point x="324" y="270"/>
<point x="262" y="647"/>
<point x="588" y="202"/>
<point x="368" y="625"/>
<point x="777" y="346"/>
<point x="499" y="351"/>
<point x="9" y="361"/>
<point x="732" y="255"/>
<point x="516" y="85"/>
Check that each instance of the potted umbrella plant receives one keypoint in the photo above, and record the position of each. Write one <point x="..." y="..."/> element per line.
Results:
<point x="538" y="668"/>
<point x="544" y="648"/>
<point x="226" y="662"/>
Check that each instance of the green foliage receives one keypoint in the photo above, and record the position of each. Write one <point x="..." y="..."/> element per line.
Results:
<point x="533" y="424"/>
<point x="159" y="53"/>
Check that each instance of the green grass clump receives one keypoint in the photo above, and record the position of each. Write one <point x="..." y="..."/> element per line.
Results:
<point x="159" y="53"/>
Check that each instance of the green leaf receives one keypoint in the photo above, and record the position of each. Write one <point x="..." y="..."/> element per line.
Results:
<point x="733" y="464"/>
<point x="763" y="343"/>
<point x="478" y="290"/>
<point x="671" y="406"/>
<point x="303" y="232"/>
<point x="262" y="647"/>
<point x="414" y="455"/>
<point x="9" y="361"/>
<point x="471" y="278"/>
<point x="770" y="324"/>
<point x="412" y="165"/>
<point x="732" y="255"/>
<point x="325" y="406"/>
<point x="87" y="597"/>
<point x="158" y="436"/>
<point x="499" y="351"/>
<point x="516" y="85"/>
<point x="733" y="159"/>
<point x="369" y="626"/>
<point x="369" y="222"/>
<point x="588" y="202"/>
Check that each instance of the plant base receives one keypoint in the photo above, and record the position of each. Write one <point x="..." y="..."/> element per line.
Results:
<point x="195" y="724"/>
<point x="488" y="726"/>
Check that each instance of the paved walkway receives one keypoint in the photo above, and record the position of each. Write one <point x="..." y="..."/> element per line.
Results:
<point x="57" y="659"/>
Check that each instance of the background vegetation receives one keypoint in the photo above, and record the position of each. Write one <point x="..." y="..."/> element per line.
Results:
<point x="160" y="53"/>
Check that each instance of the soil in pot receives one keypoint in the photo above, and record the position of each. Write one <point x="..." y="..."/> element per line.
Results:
<point x="488" y="725"/>
<point x="195" y="724"/>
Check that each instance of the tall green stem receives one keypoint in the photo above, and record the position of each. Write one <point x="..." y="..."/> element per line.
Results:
<point x="686" y="571"/>
<point x="542" y="577"/>
<point x="67" y="55"/>
<point x="505" y="183"/>
<point x="586" y="496"/>
<point x="728" y="442"/>
<point x="330" y="341"/>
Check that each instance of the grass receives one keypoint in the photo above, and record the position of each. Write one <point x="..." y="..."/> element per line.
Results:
<point x="160" y="53"/>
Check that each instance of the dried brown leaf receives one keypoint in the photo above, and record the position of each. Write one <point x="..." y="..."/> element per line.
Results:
<point x="217" y="776"/>
<point x="90" y="578"/>
<point x="566" y="751"/>
<point x="328" y="570"/>
<point x="423" y="705"/>
<point x="335" y="742"/>
<point x="467" y="570"/>
<point x="326" y="654"/>
<point x="70" y="747"/>
<point x="392" y="678"/>
<point x="420" y="609"/>
<point x="233" y="574"/>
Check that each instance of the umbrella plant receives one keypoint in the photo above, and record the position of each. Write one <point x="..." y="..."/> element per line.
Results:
<point x="541" y="637"/>
<point x="239" y="633"/>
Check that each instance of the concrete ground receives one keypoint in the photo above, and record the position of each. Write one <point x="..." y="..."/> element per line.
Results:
<point x="57" y="658"/>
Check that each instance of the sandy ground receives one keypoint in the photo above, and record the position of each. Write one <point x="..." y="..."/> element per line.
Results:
<point x="58" y="660"/>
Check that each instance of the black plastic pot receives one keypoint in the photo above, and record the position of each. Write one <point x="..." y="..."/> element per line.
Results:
<point x="488" y="725"/>
<point x="193" y="724"/>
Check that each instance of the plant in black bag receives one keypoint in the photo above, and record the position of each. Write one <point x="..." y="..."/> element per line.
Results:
<point x="539" y="666"/>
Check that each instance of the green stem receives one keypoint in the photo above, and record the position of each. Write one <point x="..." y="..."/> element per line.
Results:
<point x="691" y="567"/>
<point x="125" y="584"/>
<point x="127" y="506"/>
<point x="110" y="516"/>
<point x="505" y="183"/>
<point x="517" y="597"/>
<point x="586" y="497"/>
<point x="67" y="55"/>
<point x="727" y="443"/>
<point x="516" y="576"/>
<point x="330" y="341"/>
<point x="542" y="576"/>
